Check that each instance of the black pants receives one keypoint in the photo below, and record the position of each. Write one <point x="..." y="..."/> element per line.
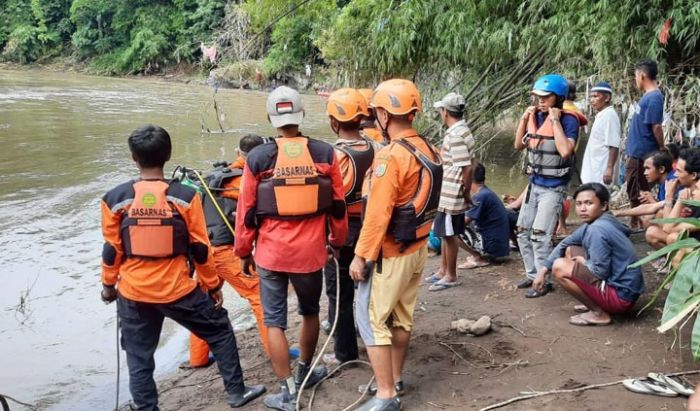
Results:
<point x="141" y="324"/>
<point x="345" y="336"/>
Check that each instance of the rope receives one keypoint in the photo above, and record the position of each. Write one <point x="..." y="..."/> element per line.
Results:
<point x="328" y="340"/>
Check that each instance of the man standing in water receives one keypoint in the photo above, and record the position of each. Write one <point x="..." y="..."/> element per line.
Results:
<point x="151" y="227"/>
<point x="549" y="135"/>
<point x="291" y="195"/>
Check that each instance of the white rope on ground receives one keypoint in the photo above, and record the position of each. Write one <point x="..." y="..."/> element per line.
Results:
<point x="535" y="394"/>
<point x="330" y="335"/>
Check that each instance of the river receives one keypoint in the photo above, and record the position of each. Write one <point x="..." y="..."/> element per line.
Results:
<point x="63" y="142"/>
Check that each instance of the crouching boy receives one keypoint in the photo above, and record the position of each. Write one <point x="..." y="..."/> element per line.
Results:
<point x="592" y="263"/>
<point x="151" y="228"/>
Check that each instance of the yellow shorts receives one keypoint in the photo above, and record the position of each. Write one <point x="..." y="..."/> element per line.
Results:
<point x="389" y="297"/>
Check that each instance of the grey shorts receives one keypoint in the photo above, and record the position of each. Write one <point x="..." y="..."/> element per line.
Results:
<point x="273" y="294"/>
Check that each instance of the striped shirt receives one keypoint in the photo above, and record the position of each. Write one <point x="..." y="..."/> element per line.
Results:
<point x="457" y="152"/>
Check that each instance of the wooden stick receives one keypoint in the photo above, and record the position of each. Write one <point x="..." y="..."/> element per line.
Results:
<point x="536" y="394"/>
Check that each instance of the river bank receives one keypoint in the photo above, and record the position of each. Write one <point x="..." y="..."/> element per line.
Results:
<point x="531" y="348"/>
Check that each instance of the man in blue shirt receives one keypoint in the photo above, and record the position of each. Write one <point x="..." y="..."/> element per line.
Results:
<point x="645" y="133"/>
<point x="491" y="219"/>
<point x="549" y="135"/>
<point x="592" y="263"/>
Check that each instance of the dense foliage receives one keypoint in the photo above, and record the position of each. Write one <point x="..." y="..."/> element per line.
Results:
<point x="364" y="40"/>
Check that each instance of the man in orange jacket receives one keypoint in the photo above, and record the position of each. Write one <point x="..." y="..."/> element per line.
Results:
<point x="291" y="194"/>
<point x="367" y="127"/>
<point x="346" y="108"/>
<point x="151" y="228"/>
<point x="228" y="266"/>
<point x="400" y="208"/>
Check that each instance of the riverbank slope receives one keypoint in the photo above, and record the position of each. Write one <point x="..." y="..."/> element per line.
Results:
<point x="531" y="347"/>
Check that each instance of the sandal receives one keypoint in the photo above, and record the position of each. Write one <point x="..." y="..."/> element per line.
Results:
<point x="472" y="264"/>
<point x="675" y="383"/>
<point x="580" y="308"/>
<point x="440" y="285"/>
<point x="580" y="320"/>
<point x="433" y="278"/>
<point x="648" y="386"/>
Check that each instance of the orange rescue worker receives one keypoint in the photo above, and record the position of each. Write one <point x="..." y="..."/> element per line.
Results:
<point x="154" y="230"/>
<point x="355" y="153"/>
<point x="367" y="127"/>
<point x="224" y="184"/>
<point x="291" y="195"/>
<point x="404" y="191"/>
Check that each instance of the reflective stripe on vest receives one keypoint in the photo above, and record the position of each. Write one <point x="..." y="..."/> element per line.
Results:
<point x="360" y="162"/>
<point x="152" y="227"/>
<point x="412" y="221"/>
<point x="295" y="189"/>
<point x="543" y="158"/>
<point x="218" y="231"/>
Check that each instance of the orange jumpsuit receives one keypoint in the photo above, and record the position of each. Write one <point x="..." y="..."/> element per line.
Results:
<point x="228" y="267"/>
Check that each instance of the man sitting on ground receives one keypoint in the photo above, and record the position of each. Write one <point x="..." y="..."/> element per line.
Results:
<point x="657" y="171"/>
<point x="491" y="220"/>
<point x="687" y="175"/>
<point x="592" y="263"/>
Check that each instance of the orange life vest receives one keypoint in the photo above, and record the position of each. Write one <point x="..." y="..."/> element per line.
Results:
<point x="543" y="158"/>
<point x="151" y="226"/>
<point x="360" y="162"/>
<point x="294" y="189"/>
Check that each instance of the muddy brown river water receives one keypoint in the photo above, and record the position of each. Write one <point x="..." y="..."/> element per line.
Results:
<point x="63" y="144"/>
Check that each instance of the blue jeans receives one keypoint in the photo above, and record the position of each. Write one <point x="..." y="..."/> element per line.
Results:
<point x="538" y="218"/>
<point x="141" y="324"/>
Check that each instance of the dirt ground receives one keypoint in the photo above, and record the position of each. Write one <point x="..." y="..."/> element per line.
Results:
<point x="531" y="347"/>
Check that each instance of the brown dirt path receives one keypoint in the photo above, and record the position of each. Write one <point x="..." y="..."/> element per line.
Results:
<point x="532" y="347"/>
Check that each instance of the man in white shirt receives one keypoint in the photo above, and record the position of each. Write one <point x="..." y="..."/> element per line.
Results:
<point x="604" y="141"/>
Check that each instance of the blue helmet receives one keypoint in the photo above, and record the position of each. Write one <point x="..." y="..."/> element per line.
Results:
<point x="551" y="84"/>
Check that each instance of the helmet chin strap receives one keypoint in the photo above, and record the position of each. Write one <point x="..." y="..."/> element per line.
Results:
<point x="383" y="129"/>
<point x="335" y="126"/>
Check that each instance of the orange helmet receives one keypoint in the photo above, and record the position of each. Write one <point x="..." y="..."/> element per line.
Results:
<point x="397" y="96"/>
<point x="346" y="104"/>
<point x="366" y="93"/>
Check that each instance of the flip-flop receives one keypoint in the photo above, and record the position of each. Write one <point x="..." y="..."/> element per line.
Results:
<point x="439" y="286"/>
<point x="432" y="279"/>
<point x="580" y="308"/>
<point x="675" y="383"/>
<point x="579" y="320"/>
<point x="648" y="386"/>
<point x="472" y="264"/>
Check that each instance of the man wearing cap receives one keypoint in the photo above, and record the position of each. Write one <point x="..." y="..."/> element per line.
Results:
<point x="604" y="141"/>
<point x="456" y="153"/>
<point x="291" y="211"/>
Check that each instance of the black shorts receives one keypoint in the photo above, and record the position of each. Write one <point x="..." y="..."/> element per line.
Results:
<point x="273" y="294"/>
<point x="448" y="225"/>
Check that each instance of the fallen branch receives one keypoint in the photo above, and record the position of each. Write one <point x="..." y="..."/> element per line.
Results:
<point x="535" y="394"/>
<point x="504" y="324"/>
<point x="457" y="354"/>
<point x="475" y="345"/>
<point x="544" y="393"/>
<point x="6" y="406"/>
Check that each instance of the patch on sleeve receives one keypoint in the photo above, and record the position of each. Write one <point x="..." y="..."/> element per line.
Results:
<point x="380" y="169"/>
